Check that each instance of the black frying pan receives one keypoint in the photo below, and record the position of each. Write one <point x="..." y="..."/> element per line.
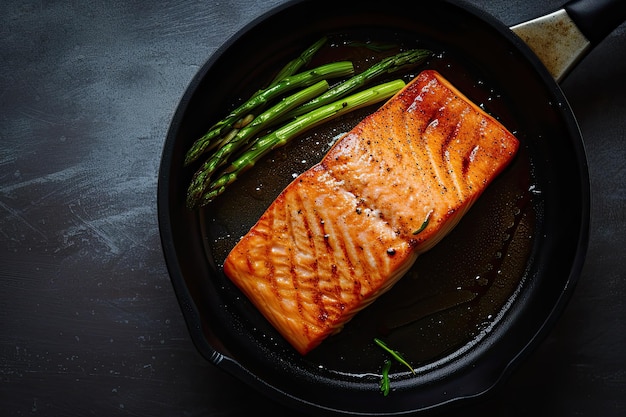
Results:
<point x="471" y="308"/>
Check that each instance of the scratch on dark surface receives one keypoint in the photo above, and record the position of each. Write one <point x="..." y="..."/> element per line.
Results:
<point x="38" y="115"/>
<point x="59" y="176"/>
<point x="15" y="214"/>
<point x="23" y="214"/>
<point x="103" y="237"/>
<point x="105" y="228"/>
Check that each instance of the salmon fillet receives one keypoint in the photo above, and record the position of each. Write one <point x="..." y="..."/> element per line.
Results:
<point x="346" y="230"/>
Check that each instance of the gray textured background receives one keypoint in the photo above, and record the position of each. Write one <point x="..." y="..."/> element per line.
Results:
<point x="89" y="323"/>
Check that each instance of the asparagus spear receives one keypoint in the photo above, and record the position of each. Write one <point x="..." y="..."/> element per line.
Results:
<point x="402" y="60"/>
<point x="286" y="133"/>
<point x="302" y="79"/>
<point x="202" y="177"/>
<point x="294" y="65"/>
<point x="289" y="69"/>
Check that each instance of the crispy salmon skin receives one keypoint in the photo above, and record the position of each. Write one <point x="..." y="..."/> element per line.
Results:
<point x="346" y="230"/>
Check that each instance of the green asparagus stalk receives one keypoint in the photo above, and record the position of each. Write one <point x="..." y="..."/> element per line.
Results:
<point x="294" y="65"/>
<point x="284" y="134"/>
<point x="202" y="177"/>
<point x="302" y="79"/>
<point x="400" y="61"/>
<point x="289" y="69"/>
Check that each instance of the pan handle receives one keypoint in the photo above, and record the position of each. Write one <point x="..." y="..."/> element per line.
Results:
<point x="561" y="39"/>
<point x="596" y="18"/>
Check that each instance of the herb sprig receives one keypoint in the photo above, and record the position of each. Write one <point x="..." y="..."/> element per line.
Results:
<point x="423" y="226"/>
<point x="384" y="382"/>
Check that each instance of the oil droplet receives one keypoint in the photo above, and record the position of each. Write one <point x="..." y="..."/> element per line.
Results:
<point x="533" y="189"/>
<point x="482" y="281"/>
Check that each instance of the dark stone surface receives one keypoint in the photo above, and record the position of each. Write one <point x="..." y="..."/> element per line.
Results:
<point x="89" y="323"/>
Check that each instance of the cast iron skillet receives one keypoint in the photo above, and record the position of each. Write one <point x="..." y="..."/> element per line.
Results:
<point x="470" y="309"/>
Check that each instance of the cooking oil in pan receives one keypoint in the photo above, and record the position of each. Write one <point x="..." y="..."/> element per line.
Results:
<point x="453" y="293"/>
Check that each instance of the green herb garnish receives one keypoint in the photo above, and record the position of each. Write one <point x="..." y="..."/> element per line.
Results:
<point x="423" y="226"/>
<point x="385" y="385"/>
<point x="384" y="382"/>
<point x="395" y="354"/>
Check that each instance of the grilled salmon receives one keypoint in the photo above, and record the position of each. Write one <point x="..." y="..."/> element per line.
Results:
<point x="344" y="231"/>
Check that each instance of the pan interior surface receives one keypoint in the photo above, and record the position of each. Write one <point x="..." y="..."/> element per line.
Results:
<point x="470" y="308"/>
